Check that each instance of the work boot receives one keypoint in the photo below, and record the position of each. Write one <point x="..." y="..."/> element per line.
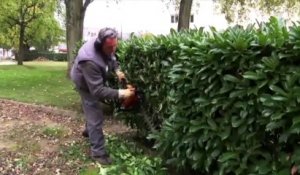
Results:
<point x="85" y="133"/>
<point x="103" y="160"/>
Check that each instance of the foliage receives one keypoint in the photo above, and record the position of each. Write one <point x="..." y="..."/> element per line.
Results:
<point x="228" y="101"/>
<point x="130" y="160"/>
<point x="239" y="10"/>
<point x="140" y="60"/>
<point x="146" y="62"/>
<point x="49" y="33"/>
<point x="35" y="18"/>
<point x="8" y="37"/>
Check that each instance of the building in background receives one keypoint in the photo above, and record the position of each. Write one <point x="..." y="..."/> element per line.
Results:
<point x="6" y="54"/>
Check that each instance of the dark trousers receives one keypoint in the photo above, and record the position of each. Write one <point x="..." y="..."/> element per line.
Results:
<point x="94" y="122"/>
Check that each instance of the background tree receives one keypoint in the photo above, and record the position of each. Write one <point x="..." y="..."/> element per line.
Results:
<point x="8" y="37"/>
<point x="184" y="14"/>
<point x="184" y="9"/>
<point x="18" y="16"/>
<point x="49" y="34"/>
<point x="75" y="12"/>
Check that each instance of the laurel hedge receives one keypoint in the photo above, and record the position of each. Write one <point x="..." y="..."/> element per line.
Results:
<point x="220" y="102"/>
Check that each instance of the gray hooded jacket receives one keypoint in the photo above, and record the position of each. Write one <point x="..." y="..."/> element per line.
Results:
<point x="90" y="70"/>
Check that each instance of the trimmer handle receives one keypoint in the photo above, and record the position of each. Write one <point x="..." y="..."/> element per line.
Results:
<point x="124" y="83"/>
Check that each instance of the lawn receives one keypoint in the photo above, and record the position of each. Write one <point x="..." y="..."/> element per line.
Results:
<point x="39" y="83"/>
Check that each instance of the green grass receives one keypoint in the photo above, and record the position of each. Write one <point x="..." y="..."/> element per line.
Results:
<point x="39" y="83"/>
<point x="53" y="131"/>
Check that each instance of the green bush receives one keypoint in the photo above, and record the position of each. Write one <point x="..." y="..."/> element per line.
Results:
<point x="33" y="55"/>
<point x="129" y="159"/>
<point x="221" y="102"/>
<point x="141" y="60"/>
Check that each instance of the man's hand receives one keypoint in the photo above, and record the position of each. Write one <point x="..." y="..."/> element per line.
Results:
<point x="126" y="93"/>
<point x="120" y="75"/>
<point x="129" y="86"/>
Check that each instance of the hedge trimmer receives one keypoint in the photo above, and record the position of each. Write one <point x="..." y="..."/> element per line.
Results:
<point x="132" y="104"/>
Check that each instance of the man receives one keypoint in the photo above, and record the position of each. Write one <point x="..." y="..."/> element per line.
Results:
<point x="92" y="66"/>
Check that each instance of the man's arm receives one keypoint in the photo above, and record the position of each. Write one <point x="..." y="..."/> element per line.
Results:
<point x="116" y="68"/>
<point x="94" y="80"/>
<point x="116" y="65"/>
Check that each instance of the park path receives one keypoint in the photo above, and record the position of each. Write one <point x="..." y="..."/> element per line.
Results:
<point x="7" y="62"/>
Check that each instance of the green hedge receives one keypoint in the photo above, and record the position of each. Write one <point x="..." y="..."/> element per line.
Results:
<point x="221" y="102"/>
<point x="140" y="59"/>
<point x="33" y="55"/>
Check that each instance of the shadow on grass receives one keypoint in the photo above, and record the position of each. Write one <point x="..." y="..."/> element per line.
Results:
<point x="29" y="67"/>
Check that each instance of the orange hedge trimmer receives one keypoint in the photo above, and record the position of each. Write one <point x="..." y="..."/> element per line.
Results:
<point x="133" y="102"/>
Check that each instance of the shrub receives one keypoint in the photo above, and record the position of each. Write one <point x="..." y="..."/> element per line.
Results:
<point x="221" y="102"/>
<point x="33" y="55"/>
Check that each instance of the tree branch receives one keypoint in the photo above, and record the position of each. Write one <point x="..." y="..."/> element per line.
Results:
<point x="86" y="3"/>
<point x="12" y="21"/>
<point x="27" y="8"/>
<point x="33" y="15"/>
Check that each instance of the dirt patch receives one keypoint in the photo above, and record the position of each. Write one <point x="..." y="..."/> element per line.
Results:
<point x="7" y="145"/>
<point x="116" y="127"/>
<point x="48" y="147"/>
<point x="5" y="129"/>
<point x="10" y="125"/>
<point x="38" y="139"/>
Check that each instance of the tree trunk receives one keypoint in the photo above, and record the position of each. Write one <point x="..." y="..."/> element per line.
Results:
<point x="184" y="14"/>
<point x="74" y="25"/>
<point x="21" y="45"/>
